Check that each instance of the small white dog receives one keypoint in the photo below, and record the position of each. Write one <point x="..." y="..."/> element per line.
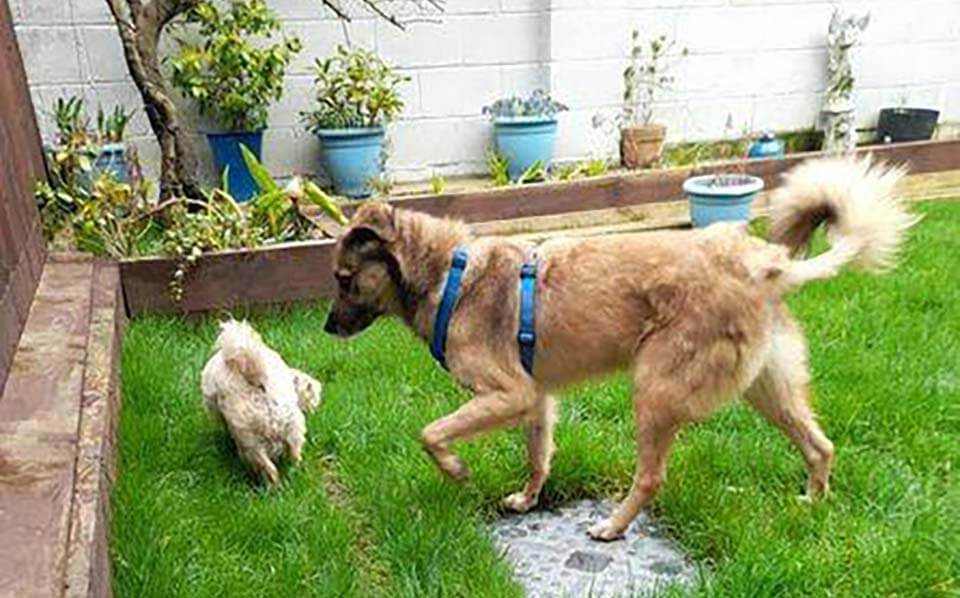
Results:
<point x="261" y="400"/>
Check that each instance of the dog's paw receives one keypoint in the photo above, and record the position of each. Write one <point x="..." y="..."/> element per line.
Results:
<point x="455" y="468"/>
<point x="519" y="502"/>
<point x="605" y="531"/>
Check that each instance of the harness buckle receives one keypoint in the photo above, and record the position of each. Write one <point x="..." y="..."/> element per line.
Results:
<point x="525" y="337"/>
<point x="459" y="259"/>
<point x="528" y="270"/>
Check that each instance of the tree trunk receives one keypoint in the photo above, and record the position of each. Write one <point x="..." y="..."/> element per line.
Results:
<point x="140" y="34"/>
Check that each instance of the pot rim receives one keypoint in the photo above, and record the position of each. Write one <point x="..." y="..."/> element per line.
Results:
<point x="524" y="120"/>
<point x="351" y="132"/>
<point x="234" y="133"/>
<point x="910" y="110"/>
<point x="698" y="185"/>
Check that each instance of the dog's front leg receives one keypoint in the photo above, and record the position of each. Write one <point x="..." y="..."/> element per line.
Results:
<point x="487" y="411"/>
<point x="539" y="452"/>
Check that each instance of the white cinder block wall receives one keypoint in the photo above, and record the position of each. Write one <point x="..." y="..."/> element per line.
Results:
<point x="760" y="62"/>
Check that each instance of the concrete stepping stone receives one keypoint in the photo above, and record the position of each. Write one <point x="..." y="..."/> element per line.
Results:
<point x="552" y="555"/>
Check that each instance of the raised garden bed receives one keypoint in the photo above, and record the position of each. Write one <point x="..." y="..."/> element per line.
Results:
<point x="302" y="271"/>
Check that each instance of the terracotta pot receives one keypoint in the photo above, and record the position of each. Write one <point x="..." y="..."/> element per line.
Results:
<point x="641" y="146"/>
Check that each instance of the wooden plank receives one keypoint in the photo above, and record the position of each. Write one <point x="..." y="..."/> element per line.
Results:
<point x="302" y="271"/>
<point x="629" y="189"/>
<point x="22" y="248"/>
<point x="278" y="274"/>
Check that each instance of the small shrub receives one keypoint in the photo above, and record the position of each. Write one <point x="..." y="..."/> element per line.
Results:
<point x="228" y="74"/>
<point x="499" y="168"/>
<point x="438" y="184"/>
<point x="112" y="126"/>
<point x="354" y="89"/>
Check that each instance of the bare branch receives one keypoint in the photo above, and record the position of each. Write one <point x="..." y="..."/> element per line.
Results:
<point x="374" y="6"/>
<point x="341" y="14"/>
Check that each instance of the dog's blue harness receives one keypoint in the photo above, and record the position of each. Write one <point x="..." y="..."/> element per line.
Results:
<point x="527" y="334"/>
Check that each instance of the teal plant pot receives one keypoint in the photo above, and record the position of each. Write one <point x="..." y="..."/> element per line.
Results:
<point x="112" y="160"/>
<point x="525" y="140"/>
<point x="352" y="158"/>
<point x="227" y="156"/>
<point x="721" y="198"/>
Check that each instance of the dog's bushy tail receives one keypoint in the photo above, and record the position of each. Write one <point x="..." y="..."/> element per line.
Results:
<point x="856" y="199"/>
<point x="241" y="348"/>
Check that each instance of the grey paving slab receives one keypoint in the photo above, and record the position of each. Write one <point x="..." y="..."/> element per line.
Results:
<point x="552" y="555"/>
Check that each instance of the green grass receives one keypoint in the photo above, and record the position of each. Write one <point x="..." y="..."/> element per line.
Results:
<point x="367" y="514"/>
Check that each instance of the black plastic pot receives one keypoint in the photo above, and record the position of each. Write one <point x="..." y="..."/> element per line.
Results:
<point x="906" y="124"/>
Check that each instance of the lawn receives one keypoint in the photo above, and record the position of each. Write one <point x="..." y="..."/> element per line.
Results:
<point x="367" y="514"/>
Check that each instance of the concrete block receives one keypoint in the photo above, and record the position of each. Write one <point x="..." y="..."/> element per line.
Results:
<point x="505" y="39"/>
<point x="586" y="34"/>
<point x="101" y="56"/>
<point x="521" y="79"/>
<point x="320" y="39"/>
<point x="459" y="91"/>
<point x="50" y="54"/>
<point x="421" y="44"/>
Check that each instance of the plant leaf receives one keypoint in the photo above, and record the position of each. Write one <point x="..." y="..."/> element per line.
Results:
<point x="316" y="196"/>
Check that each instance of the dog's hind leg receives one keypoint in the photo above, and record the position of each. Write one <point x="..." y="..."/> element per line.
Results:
<point x="487" y="411"/>
<point x="539" y="452"/>
<point x="781" y="394"/>
<point x="657" y="422"/>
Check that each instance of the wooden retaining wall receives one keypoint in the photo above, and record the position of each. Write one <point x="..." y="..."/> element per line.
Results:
<point x="22" y="247"/>
<point x="302" y="271"/>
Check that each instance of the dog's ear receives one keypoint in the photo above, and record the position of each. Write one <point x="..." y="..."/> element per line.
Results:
<point x="373" y="221"/>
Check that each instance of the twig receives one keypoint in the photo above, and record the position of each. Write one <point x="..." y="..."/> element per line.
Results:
<point x="373" y="6"/>
<point x="341" y="14"/>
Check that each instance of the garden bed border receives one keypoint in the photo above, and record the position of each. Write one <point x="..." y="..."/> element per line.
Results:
<point x="303" y="271"/>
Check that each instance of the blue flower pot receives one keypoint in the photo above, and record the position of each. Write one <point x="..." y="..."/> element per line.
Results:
<point x="524" y="140"/>
<point x="112" y="160"/>
<point x="226" y="155"/>
<point x="768" y="146"/>
<point x="352" y="158"/>
<point x="721" y="198"/>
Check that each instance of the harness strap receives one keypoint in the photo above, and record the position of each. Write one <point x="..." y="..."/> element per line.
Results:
<point x="451" y="292"/>
<point x="527" y="335"/>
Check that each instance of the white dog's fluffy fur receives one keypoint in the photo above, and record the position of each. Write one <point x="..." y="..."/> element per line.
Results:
<point x="261" y="400"/>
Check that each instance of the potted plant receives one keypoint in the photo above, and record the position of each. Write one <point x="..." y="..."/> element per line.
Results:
<point x="91" y="154"/>
<point x="111" y="135"/>
<point x="357" y="95"/>
<point x="525" y="130"/>
<point x="647" y="74"/>
<point x="722" y="196"/>
<point x="233" y="77"/>
<point x="906" y="124"/>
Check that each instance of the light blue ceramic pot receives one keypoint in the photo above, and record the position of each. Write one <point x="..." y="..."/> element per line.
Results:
<point x="524" y="140"/>
<point x="352" y="158"/>
<point x="721" y="198"/>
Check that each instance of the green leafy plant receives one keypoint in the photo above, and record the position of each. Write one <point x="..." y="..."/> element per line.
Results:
<point x="354" y="88"/>
<point x="112" y="126"/>
<point x="71" y="121"/>
<point x="535" y="172"/>
<point x="229" y="74"/>
<point x="585" y="168"/>
<point x="537" y="104"/>
<point x="382" y="184"/>
<point x="499" y="168"/>
<point x="438" y="184"/>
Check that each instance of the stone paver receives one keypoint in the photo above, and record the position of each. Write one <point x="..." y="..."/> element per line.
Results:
<point x="552" y="555"/>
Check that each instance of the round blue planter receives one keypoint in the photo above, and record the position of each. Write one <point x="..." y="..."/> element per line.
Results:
<point x="352" y="158"/>
<point x="112" y="160"/>
<point x="226" y="154"/>
<point x="729" y="201"/>
<point x="524" y="140"/>
<point x="768" y="146"/>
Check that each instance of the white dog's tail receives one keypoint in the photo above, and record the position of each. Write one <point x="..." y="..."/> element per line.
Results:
<point x="856" y="200"/>
<point x="241" y="347"/>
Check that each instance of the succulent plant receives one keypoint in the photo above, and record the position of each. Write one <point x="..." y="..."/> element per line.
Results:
<point x="539" y="103"/>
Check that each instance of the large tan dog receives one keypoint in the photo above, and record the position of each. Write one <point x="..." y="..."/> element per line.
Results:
<point x="698" y="317"/>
